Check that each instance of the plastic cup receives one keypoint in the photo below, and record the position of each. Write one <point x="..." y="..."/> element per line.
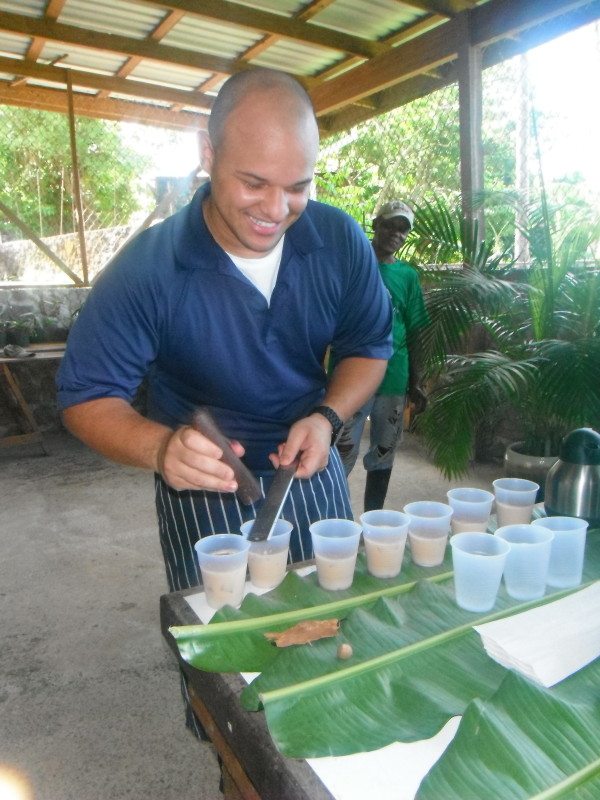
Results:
<point x="384" y="535"/>
<point x="526" y="568"/>
<point x="471" y="507"/>
<point x="267" y="561"/>
<point x="567" y="551"/>
<point x="515" y="498"/>
<point x="335" y="544"/>
<point x="478" y="560"/>
<point x="223" y="559"/>
<point x="428" y="531"/>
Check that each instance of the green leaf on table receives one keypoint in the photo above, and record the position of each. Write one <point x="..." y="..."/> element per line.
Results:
<point x="416" y="662"/>
<point x="525" y="742"/>
<point x="234" y="640"/>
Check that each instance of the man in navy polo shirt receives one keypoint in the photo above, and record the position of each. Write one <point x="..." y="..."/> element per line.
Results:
<point x="231" y="303"/>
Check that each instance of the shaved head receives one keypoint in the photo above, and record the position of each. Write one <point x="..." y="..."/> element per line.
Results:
<point x="257" y="81"/>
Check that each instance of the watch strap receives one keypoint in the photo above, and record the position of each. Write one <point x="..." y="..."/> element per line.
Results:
<point x="336" y="423"/>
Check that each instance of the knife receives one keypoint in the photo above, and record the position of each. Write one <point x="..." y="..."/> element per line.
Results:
<point x="249" y="490"/>
<point x="269" y="512"/>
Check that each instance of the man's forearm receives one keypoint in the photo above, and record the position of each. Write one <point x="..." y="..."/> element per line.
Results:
<point x="113" y="428"/>
<point x="353" y="382"/>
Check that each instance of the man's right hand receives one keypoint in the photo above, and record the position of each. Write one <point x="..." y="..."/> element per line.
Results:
<point x="185" y="458"/>
<point x="188" y="460"/>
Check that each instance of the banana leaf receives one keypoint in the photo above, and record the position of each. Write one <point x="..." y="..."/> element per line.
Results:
<point x="416" y="663"/>
<point x="234" y="641"/>
<point x="525" y="742"/>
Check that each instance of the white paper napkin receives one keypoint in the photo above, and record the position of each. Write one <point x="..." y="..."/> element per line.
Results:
<point x="550" y="642"/>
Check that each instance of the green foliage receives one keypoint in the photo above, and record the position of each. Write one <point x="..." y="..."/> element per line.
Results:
<point x="413" y="152"/>
<point x="36" y="174"/>
<point x="539" y="324"/>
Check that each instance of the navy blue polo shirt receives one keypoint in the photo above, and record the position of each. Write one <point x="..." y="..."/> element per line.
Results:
<point x="173" y="307"/>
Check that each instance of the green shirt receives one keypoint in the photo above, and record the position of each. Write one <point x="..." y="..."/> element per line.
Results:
<point x="410" y="314"/>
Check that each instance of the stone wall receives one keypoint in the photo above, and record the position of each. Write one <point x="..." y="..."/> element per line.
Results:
<point x="36" y="379"/>
<point x="21" y="260"/>
<point x="58" y="302"/>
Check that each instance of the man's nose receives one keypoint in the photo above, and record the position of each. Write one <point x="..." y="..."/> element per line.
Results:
<point x="275" y="203"/>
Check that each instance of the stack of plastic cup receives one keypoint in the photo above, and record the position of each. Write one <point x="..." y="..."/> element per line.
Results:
<point x="472" y="509"/>
<point x="428" y="531"/>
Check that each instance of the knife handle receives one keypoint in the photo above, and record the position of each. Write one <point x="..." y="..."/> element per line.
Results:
<point x="249" y="490"/>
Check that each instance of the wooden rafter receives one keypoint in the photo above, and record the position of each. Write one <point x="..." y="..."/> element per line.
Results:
<point x="161" y="30"/>
<point x="89" y="106"/>
<point x="354" y="85"/>
<point x="490" y="22"/>
<point x="267" y="23"/>
<point x="105" y="84"/>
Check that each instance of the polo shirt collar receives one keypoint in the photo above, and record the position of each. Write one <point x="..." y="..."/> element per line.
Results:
<point x="195" y="247"/>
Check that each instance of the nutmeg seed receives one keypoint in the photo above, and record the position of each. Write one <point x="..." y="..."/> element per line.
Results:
<point x="344" y="651"/>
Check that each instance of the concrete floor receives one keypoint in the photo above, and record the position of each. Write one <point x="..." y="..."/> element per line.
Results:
<point x="89" y="697"/>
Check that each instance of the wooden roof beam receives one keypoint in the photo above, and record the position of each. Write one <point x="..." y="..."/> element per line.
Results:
<point x="495" y="20"/>
<point x="89" y="106"/>
<point x="268" y="23"/>
<point x="105" y="84"/>
<point x="113" y="43"/>
<point x="52" y="12"/>
<point x="421" y="85"/>
<point x="157" y="34"/>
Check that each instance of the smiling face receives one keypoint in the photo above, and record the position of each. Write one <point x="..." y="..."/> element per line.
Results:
<point x="389" y="236"/>
<point x="261" y="171"/>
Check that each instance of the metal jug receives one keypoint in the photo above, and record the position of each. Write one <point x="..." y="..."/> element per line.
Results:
<point x="573" y="483"/>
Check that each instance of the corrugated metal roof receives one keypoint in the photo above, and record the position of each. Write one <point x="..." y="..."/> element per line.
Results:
<point x="112" y="16"/>
<point x="370" y="20"/>
<point x="203" y="36"/>
<point x="13" y="44"/>
<point x="285" y="7"/>
<point x="169" y="75"/>
<point x="82" y="58"/>
<point x="161" y="52"/>
<point x="298" y="59"/>
<point x="30" y="8"/>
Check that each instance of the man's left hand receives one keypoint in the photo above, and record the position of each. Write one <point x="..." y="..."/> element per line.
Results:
<point x="309" y="440"/>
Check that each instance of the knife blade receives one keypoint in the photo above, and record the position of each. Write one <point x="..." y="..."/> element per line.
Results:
<point x="249" y="490"/>
<point x="269" y="512"/>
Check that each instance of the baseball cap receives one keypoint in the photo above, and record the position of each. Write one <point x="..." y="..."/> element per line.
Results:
<point x="396" y="208"/>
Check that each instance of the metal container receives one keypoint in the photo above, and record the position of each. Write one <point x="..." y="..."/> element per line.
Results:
<point x="573" y="483"/>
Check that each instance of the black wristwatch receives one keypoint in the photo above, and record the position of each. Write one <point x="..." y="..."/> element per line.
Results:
<point x="335" y="422"/>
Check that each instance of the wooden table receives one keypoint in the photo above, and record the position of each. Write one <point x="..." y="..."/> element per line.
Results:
<point x="31" y="431"/>
<point x="251" y="761"/>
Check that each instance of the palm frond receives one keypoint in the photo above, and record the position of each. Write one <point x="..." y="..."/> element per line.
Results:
<point x="471" y="387"/>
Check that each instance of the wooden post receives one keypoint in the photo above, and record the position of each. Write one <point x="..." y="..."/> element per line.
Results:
<point x="470" y="114"/>
<point x="76" y="185"/>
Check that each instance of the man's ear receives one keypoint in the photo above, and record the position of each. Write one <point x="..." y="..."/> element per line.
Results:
<point x="207" y="153"/>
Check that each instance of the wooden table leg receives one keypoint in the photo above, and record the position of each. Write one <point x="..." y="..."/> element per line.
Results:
<point x="236" y="784"/>
<point x="33" y="433"/>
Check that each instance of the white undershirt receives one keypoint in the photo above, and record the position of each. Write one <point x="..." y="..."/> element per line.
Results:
<point x="262" y="272"/>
